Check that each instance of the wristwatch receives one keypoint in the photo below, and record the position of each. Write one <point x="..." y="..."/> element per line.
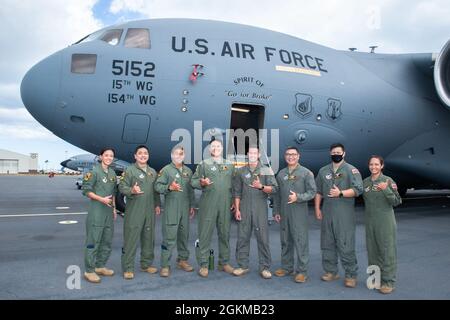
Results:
<point x="341" y="195"/>
<point x="262" y="187"/>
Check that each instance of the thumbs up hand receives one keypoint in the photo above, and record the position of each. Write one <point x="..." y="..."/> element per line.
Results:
<point x="292" y="197"/>
<point x="136" y="189"/>
<point x="174" y="186"/>
<point x="256" y="183"/>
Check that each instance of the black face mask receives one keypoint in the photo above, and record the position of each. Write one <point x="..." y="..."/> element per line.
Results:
<point x="336" y="158"/>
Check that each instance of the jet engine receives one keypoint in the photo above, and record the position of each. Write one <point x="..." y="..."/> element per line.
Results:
<point x="442" y="75"/>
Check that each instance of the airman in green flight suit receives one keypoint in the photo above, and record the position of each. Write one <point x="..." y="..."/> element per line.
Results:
<point x="296" y="186"/>
<point x="100" y="185"/>
<point x="143" y="202"/>
<point x="252" y="185"/>
<point x="380" y="196"/>
<point x="214" y="177"/>
<point x="338" y="184"/>
<point x="174" y="182"/>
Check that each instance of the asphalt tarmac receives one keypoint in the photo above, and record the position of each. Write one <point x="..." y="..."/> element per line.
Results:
<point x="36" y="252"/>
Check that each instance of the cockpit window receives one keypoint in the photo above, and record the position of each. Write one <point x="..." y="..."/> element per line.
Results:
<point x="83" y="63"/>
<point x="112" y="36"/>
<point x="89" y="37"/>
<point x="137" y="38"/>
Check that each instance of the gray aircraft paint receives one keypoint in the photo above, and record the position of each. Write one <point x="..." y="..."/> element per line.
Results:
<point x="373" y="103"/>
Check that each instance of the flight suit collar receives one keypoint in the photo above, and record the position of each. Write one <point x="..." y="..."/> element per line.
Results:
<point x="175" y="167"/>
<point x="343" y="164"/>
<point x="98" y="167"/>
<point x="381" y="178"/>
<point x="256" y="169"/>
<point x="140" y="169"/>
<point x="220" y="161"/>
<point x="293" y="170"/>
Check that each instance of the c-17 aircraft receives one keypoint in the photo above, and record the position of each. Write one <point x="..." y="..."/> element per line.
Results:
<point x="85" y="162"/>
<point x="161" y="82"/>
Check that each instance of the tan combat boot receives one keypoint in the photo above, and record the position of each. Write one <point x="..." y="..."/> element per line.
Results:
<point x="280" y="272"/>
<point x="164" y="272"/>
<point x="150" y="269"/>
<point x="239" y="272"/>
<point x="92" y="277"/>
<point x="300" y="278"/>
<point x="203" y="272"/>
<point x="350" y="282"/>
<point x="184" y="265"/>
<point x="104" y="272"/>
<point x="226" y="268"/>
<point x="128" y="275"/>
<point x="266" y="274"/>
<point x="329" y="277"/>
<point x="385" y="289"/>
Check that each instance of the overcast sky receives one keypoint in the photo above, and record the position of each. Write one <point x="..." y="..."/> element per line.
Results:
<point x="30" y="30"/>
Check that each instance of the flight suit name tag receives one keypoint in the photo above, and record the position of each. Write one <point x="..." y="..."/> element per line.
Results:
<point x="224" y="168"/>
<point x="292" y="177"/>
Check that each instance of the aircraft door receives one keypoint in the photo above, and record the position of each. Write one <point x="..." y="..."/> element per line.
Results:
<point x="135" y="128"/>
<point x="249" y="118"/>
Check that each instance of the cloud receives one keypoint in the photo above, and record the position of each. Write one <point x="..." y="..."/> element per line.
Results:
<point x="17" y="123"/>
<point x="118" y="6"/>
<point x="15" y="115"/>
<point x="31" y="30"/>
<point x="9" y="93"/>
<point x="23" y="132"/>
<point x="397" y="26"/>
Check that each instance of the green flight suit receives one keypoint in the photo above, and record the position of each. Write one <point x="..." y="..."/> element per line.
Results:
<point x="294" y="217"/>
<point x="254" y="213"/>
<point x="175" y="219"/>
<point x="214" y="208"/>
<point x="139" y="220"/>
<point x="99" y="222"/>
<point x="338" y="226"/>
<point x="381" y="234"/>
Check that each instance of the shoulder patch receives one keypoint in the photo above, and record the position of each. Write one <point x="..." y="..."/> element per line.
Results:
<point x="355" y="171"/>
<point x="88" y="176"/>
<point x="393" y="184"/>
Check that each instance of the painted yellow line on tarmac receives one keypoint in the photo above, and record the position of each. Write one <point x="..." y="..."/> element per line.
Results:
<point x="41" y="214"/>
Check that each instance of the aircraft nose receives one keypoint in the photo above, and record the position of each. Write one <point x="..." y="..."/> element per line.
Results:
<point x="64" y="163"/>
<point x="40" y="89"/>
